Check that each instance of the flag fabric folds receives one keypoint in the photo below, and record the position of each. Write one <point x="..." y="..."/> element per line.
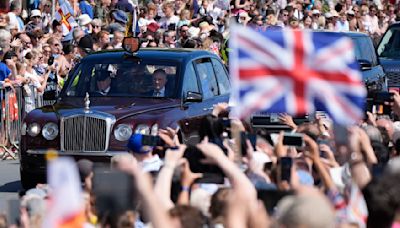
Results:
<point x="66" y="205"/>
<point x="65" y="16"/>
<point x="295" y="72"/>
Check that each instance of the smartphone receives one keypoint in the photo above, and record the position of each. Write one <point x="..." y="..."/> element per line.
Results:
<point x="293" y="139"/>
<point x="50" y="61"/>
<point x="210" y="178"/>
<point x="382" y="97"/>
<point x="274" y="118"/>
<point x="243" y="144"/>
<point x="380" y="109"/>
<point x="150" y="140"/>
<point x="271" y="198"/>
<point x="195" y="157"/>
<point x="114" y="191"/>
<point x="286" y="164"/>
<point x="226" y="123"/>
<point x="341" y="135"/>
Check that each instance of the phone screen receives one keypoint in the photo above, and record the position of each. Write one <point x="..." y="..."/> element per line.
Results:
<point x="150" y="140"/>
<point x="286" y="168"/>
<point x="243" y="137"/>
<point x="293" y="140"/>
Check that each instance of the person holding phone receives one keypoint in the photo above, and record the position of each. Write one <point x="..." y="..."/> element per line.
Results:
<point x="144" y="154"/>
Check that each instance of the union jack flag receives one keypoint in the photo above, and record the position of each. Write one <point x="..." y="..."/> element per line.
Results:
<point x="295" y="72"/>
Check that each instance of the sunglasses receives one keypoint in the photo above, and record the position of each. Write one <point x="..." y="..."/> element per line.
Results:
<point x="285" y="15"/>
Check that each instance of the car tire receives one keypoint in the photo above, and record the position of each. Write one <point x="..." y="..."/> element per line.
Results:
<point x="27" y="181"/>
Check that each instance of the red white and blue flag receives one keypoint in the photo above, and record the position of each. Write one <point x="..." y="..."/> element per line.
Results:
<point x="295" y="72"/>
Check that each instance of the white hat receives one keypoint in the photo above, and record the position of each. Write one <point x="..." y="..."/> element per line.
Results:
<point x="350" y="12"/>
<point x="84" y="19"/>
<point x="193" y="32"/>
<point x="316" y="12"/>
<point x="36" y="13"/>
<point x="328" y="15"/>
<point x="245" y="15"/>
<point x="335" y="13"/>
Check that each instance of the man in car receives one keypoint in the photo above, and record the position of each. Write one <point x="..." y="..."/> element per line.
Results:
<point x="159" y="82"/>
<point x="103" y="83"/>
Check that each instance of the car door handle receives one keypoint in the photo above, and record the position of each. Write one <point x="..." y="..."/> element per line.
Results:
<point x="208" y="109"/>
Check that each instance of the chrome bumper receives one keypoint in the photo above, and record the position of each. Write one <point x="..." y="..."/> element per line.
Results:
<point x="79" y="153"/>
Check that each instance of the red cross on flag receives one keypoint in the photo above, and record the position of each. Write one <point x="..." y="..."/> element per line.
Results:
<point x="64" y="15"/>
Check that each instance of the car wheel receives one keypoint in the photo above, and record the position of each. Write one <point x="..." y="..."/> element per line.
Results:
<point x="28" y="181"/>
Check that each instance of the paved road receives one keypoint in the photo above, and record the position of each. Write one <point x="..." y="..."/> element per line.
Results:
<point x="9" y="182"/>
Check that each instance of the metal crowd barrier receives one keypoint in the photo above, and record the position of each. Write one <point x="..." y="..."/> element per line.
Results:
<point x="15" y="103"/>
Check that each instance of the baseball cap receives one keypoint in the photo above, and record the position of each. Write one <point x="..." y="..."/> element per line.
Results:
<point x="316" y="12"/>
<point x="328" y="15"/>
<point x="86" y="43"/>
<point x="36" y="13"/>
<point x="120" y="16"/>
<point x="135" y="145"/>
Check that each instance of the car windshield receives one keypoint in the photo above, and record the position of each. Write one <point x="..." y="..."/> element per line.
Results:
<point x="124" y="78"/>
<point x="389" y="47"/>
<point x="364" y="49"/>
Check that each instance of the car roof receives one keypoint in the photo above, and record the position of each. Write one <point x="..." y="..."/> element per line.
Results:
<point x="395" y="24"/>
<point x="177" y="54"/>
<point x="350" y="33"/>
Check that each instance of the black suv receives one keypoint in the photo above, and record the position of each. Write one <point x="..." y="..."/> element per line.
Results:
<point x="389" y="54"/>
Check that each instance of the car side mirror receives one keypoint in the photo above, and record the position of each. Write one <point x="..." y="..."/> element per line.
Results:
<point x="365" y="64"/>
<point x="193" y="97"/>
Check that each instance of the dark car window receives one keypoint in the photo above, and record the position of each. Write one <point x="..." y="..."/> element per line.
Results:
<point x="190" y="80"/>
<point x="364" y="49"/>
<point x="124" y="79"/>
<point x="222" y="77"/>
<point x="389" y="47"/>
<point x="207" y="78"/>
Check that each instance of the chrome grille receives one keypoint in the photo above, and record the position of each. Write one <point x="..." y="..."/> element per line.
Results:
<point x="393" y="79"/>
<point x="85" y="133"/>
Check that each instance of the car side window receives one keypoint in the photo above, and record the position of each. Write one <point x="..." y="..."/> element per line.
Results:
<point x="207" y="78"/>
<point x="222" y="77"/>
<point x="190" y="80"/>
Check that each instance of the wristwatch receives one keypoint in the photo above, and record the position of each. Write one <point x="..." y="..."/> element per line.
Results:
<point x="355" y="158"/>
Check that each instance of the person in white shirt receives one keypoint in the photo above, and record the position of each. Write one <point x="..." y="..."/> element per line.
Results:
<point x="143" y="154"/>
<point x="169" y="18"/>
<point x="14" y="15"/>
<point x="342" y="25"/>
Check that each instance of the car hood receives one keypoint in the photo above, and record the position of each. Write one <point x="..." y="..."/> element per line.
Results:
<point x="119" y="107"/>
<point x="390" y="65"/>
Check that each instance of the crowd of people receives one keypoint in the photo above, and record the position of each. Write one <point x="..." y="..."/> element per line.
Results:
<point x="267" y="184"/>
<point x="324" y="181"/>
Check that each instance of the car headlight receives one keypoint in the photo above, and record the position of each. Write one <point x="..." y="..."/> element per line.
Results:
<point x="122" y="132"/>
<point x="142" y="129"/>
<point x="154" y="130"/>
<point x="34" y="129"/>
<point x="50" y="131"/>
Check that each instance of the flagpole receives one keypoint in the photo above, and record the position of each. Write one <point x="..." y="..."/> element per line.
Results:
<point x="53" y="9"/>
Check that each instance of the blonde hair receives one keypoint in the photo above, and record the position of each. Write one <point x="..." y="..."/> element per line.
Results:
<point x="185" y="14"/>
